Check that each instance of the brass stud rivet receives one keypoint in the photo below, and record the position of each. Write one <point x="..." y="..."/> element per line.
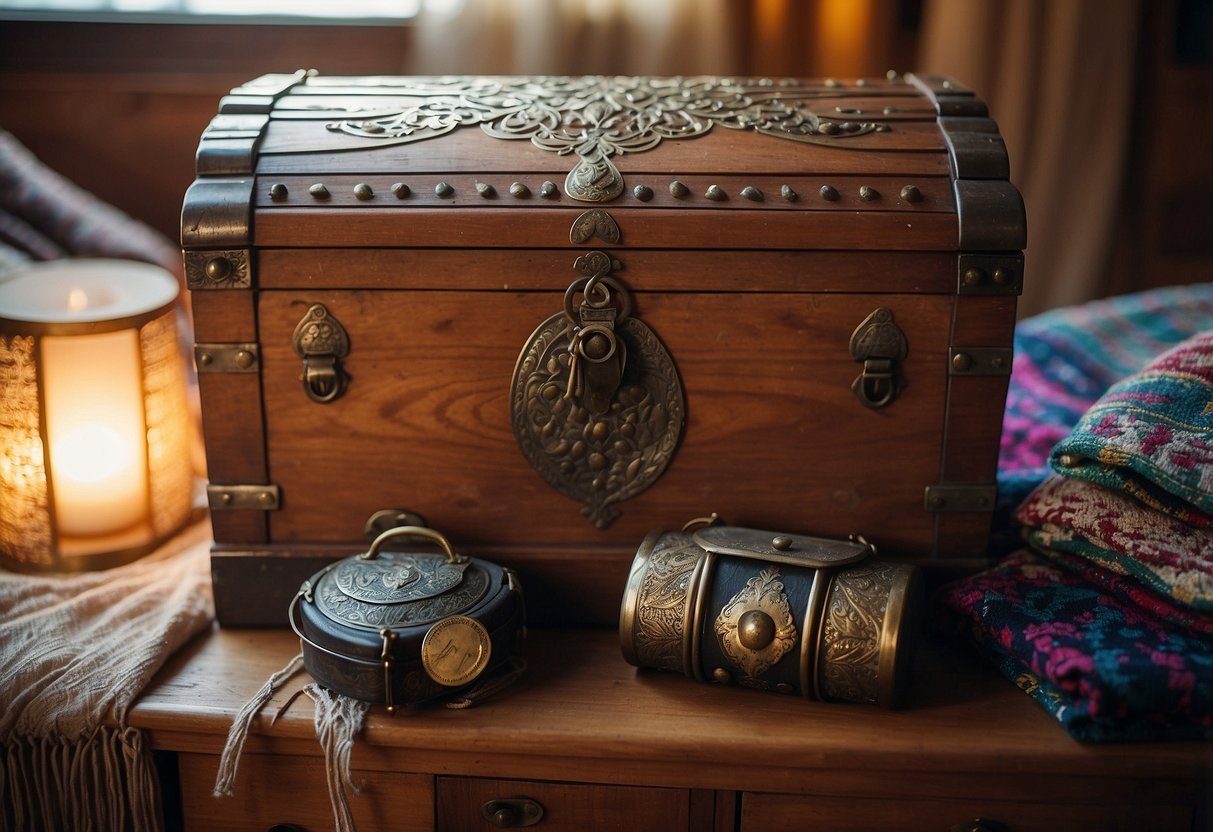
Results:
<point x="265" y="498"/>
<point x="218" y="268"/>
<point x="1001" y="277"/>
<point x="888" y="111"/>
<point x="997" y="362"/>
<point x="278" y="191"/>
<point x="974" y="277"/>
<point x="861" y="82"/>
<point x="867" y="194"/>
<point x="962" y="361"/>
<point x="1069" y="460"/>
<point x="782" y="543"/>
<point x="205" y="359"/>
<point x="401" y="190"/>
<point x="643" y="192"/>
<point x="486" y="190"/>
<point x="830" y="82"/>
<point x="936" y="502"/>
<point x="226" y="498"/>
<point x="829" y="193"/>
<point x="784" y="687"/>
<point x="753" y="194"/>
<point x="910" y="193"/>
<point x="548" y="189"/>
<point x="715" y="193"/>
<point x="788" y="194"/>
<point x="947" y="85"/>
<point x="721" y="676"/>
<point x="755" y="629"/>
<point x="678" y="190"/>
<point x="891" y="75"/>
<point x="364" y="191"/>
<point x="319" y="191"/>
<point x="519" y="190"/>
<point x="243" y="359"/>
<point x="443" y="189"/>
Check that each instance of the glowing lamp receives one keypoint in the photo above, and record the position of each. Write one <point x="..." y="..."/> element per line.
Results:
<point x="94" y="421"/>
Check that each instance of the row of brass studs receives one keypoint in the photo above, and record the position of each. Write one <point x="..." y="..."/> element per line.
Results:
<point x="644" y="193"/>
<point x="400" y="190"/>
<point x="829" y="193"/>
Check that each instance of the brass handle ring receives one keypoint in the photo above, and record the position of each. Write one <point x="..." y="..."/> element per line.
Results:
<point x="412" y="531"/>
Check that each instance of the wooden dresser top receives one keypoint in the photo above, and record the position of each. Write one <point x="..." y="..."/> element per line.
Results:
<point x="581" y="713"/>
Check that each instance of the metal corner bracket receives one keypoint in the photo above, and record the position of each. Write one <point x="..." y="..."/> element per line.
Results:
<point x="247" y="497"/>
<point x="953" y="497"/>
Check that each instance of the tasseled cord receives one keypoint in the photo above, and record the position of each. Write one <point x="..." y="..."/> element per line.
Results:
<point x="338" y="720"/>
<point x="225" y="779"/>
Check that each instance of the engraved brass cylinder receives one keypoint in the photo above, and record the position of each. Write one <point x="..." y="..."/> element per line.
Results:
<point x="822" y="619"/>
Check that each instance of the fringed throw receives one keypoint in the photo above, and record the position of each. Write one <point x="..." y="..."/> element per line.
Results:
<point x="75" y="652"/>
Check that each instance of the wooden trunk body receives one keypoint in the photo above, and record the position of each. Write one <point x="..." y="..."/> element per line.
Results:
<point x="894" y="197"/>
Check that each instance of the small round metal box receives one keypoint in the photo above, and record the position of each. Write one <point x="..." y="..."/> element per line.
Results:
<point x="405" y="628"/>
<point x="823" y="619"/>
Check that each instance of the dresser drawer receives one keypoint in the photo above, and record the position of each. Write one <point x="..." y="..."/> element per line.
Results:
<point x="762" y="812"/>
<point x="462" y="806"/>
<point x="291" y="791"/>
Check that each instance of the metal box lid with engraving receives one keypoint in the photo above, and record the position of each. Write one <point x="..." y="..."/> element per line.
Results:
<point x="547" y="313"/>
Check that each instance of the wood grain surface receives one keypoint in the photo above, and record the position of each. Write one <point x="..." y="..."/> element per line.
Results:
<point x="581" y="714"/>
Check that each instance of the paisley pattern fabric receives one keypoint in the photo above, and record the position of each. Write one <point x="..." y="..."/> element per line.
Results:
<point x="1106" y="667"/>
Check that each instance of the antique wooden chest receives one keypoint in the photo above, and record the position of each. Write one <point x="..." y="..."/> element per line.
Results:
<point x="549" y="315"/>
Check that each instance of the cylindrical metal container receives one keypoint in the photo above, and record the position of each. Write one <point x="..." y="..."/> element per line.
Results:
<point x="822" y="619"/>
<point x="404" y="628"/>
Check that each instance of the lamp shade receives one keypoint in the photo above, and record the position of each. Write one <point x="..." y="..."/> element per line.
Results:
<point x="94" y="420"/>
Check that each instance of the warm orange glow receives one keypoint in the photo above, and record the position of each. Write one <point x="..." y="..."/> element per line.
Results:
<point x="844" y="28"/>
<point x="94" y="415"/>
<point x="771" y="18"/>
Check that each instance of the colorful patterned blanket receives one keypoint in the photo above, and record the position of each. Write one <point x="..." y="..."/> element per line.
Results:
<point x="1065" y="360"/>
<point x="1109" y="622"/>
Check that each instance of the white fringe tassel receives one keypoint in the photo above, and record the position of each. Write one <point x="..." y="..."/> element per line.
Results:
<point x="106" y="781"/>
<point x="225" y="778"/>
<point x="338" y="720"/>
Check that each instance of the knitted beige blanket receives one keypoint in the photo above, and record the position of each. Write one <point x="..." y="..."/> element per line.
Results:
<point x="75" y="652"/>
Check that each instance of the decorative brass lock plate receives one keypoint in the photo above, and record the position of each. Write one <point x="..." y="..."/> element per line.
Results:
<point x="596" y="402"/>
<point x="321" y="341"/>
<point x="880" y="345"/>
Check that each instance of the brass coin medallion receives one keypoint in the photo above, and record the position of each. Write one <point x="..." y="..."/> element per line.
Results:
<point x="455" y="650"/>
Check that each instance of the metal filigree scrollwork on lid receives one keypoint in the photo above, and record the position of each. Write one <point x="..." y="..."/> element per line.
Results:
<point x="595" y="402"/>
<point x="599" y="118"/>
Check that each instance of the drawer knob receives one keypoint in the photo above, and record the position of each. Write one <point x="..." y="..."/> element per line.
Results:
<point x="512" y="812"/>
